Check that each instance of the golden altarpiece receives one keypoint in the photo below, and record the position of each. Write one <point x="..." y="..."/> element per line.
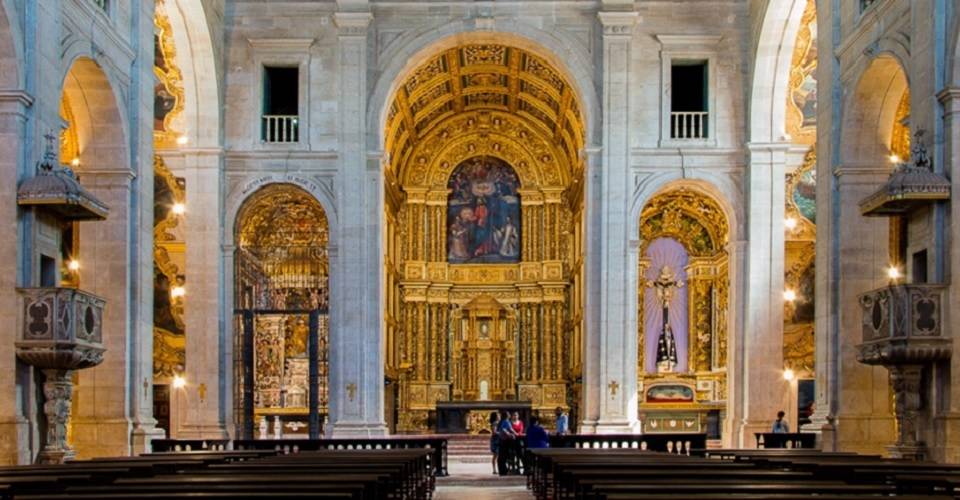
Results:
<point x="281" y="297"/>
<point x="484" y="233"/>
<point x="687" y="394"/>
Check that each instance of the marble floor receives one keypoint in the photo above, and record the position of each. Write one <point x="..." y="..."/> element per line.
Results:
<point x="472" y="478"/>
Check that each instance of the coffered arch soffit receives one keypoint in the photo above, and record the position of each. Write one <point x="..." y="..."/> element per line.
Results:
<point x="484" y="87"/>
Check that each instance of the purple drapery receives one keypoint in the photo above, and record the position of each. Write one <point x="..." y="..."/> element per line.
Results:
<point x="665" y="252"/>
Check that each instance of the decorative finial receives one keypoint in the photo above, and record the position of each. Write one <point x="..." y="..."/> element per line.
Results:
<point x="919" y="154"/>
<point x="49" y="161"/>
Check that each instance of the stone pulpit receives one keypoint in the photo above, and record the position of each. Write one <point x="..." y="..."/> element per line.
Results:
<point x="61" y="326"/>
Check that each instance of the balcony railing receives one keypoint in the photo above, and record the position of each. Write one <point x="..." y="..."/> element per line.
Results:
<point x="689" y="125"/>
<point x="903" y="324"/>
<point x="280" y="129"/>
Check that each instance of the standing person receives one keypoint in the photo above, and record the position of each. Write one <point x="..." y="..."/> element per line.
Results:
<point x="494" y="439"/>
<point x="780" y="425"/>
<point x="563" y="426"/>
<point x="506" y="438"/>
<point x="516" y="423"/>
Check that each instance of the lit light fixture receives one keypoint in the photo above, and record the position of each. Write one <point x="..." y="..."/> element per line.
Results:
<point x="179" y="208"/>
<point x="75" y="162"/>
<point x="789" y="295"/>
<point x="894" y="159"/>
<point x="893" y="272"/>
<point x="73" y="265"/>
<point x="182" y="140"/>
<point x="788" y="375"/>
<point x="790" y="223"/>
<point x="179" y="382"/>
<point x="178" y="291"/>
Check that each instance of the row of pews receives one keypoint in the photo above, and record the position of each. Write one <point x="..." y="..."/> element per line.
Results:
<point x="400" y="474"/>
<point x="771" y="474"/>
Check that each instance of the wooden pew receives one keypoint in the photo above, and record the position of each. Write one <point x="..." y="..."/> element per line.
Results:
<point x="625" y="474"/>
<point x="336" y="474"/>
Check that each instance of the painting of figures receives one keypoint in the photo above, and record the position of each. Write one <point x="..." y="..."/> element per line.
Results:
<point x="483" y="213"/>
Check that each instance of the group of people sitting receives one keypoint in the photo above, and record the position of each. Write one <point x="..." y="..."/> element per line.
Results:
<point x="506" y="433"/>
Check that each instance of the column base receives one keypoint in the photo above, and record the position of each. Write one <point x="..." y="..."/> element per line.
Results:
<point x="915" y="452"/>
<point x="94" y="438"/>
<point x="142" y="437"/>
<point x="15" y="445"/>
<point x="201" y="431"/>
<point x="748" y="431"/>
<point x="610" y="427"/>
<point x="870" y="435"/>
<point x="359" y="429"/>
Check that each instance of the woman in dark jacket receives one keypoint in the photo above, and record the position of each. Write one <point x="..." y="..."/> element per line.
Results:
<point x="494" y="439"/>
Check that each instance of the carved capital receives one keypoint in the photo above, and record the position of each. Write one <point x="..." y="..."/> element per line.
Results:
<point x="352" y="24"/>
<point x="617" y="24"/>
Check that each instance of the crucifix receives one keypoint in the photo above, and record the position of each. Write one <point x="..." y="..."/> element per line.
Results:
<point x="613" y="386"/>
<point x="666" y="283"/>
<point x="351" y="391"/>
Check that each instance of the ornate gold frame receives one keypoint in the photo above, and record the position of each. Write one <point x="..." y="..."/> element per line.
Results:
<point x="699" y="223"/>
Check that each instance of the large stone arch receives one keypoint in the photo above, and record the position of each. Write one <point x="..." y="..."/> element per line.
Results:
<point x="195" y="58"/>
<point x="11" y="48"/>
<point x="869" y="111"/>
<point x="100" y="125"/>
<point x="563" y="52"/>
<point x="102" y="419"/>
<point x="771" y="70"/>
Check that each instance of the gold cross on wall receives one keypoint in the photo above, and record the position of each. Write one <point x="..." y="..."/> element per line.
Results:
<point x="613" y="386"/>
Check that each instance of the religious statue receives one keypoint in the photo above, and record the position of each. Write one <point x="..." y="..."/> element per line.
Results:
<point x="296" y="338"/>
<point x="263" y="427"/>
<point x="664" y="286"/>
<point x="277" y="428"/>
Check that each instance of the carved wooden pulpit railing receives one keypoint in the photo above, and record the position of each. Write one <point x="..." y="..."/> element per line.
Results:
<point x="903" y="331"/>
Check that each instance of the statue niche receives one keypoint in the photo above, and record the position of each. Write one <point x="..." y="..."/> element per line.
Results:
<point x="483" y="360"/>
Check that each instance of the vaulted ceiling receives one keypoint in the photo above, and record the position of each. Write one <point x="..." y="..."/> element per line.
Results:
<point x="475" y="77"/>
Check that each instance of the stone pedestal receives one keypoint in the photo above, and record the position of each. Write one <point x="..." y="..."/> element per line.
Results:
<point x="57" y="391"/>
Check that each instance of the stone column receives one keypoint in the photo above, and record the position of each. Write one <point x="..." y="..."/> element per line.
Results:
<point x="356" y="343"/>
<point x="610" y="364"/>
<point x="102" y="425"/>
<point x="14" y="427"/>
<point x="141" y="111"/>
<point x="204" y="393"/>
<point x="737" y="251"/>
<point x="756" y="366"/>
<point x="854" y="410"/>
<point x="948" y="449"/>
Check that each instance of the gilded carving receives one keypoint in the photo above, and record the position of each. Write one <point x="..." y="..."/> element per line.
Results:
<point x="693" y="219"/>
<point x="802" y="97"/>
<point x="168" y="93"/>
<point x="697" y="224"/>
<point x="169" y="334"/>
<point x="485" y="326"/>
